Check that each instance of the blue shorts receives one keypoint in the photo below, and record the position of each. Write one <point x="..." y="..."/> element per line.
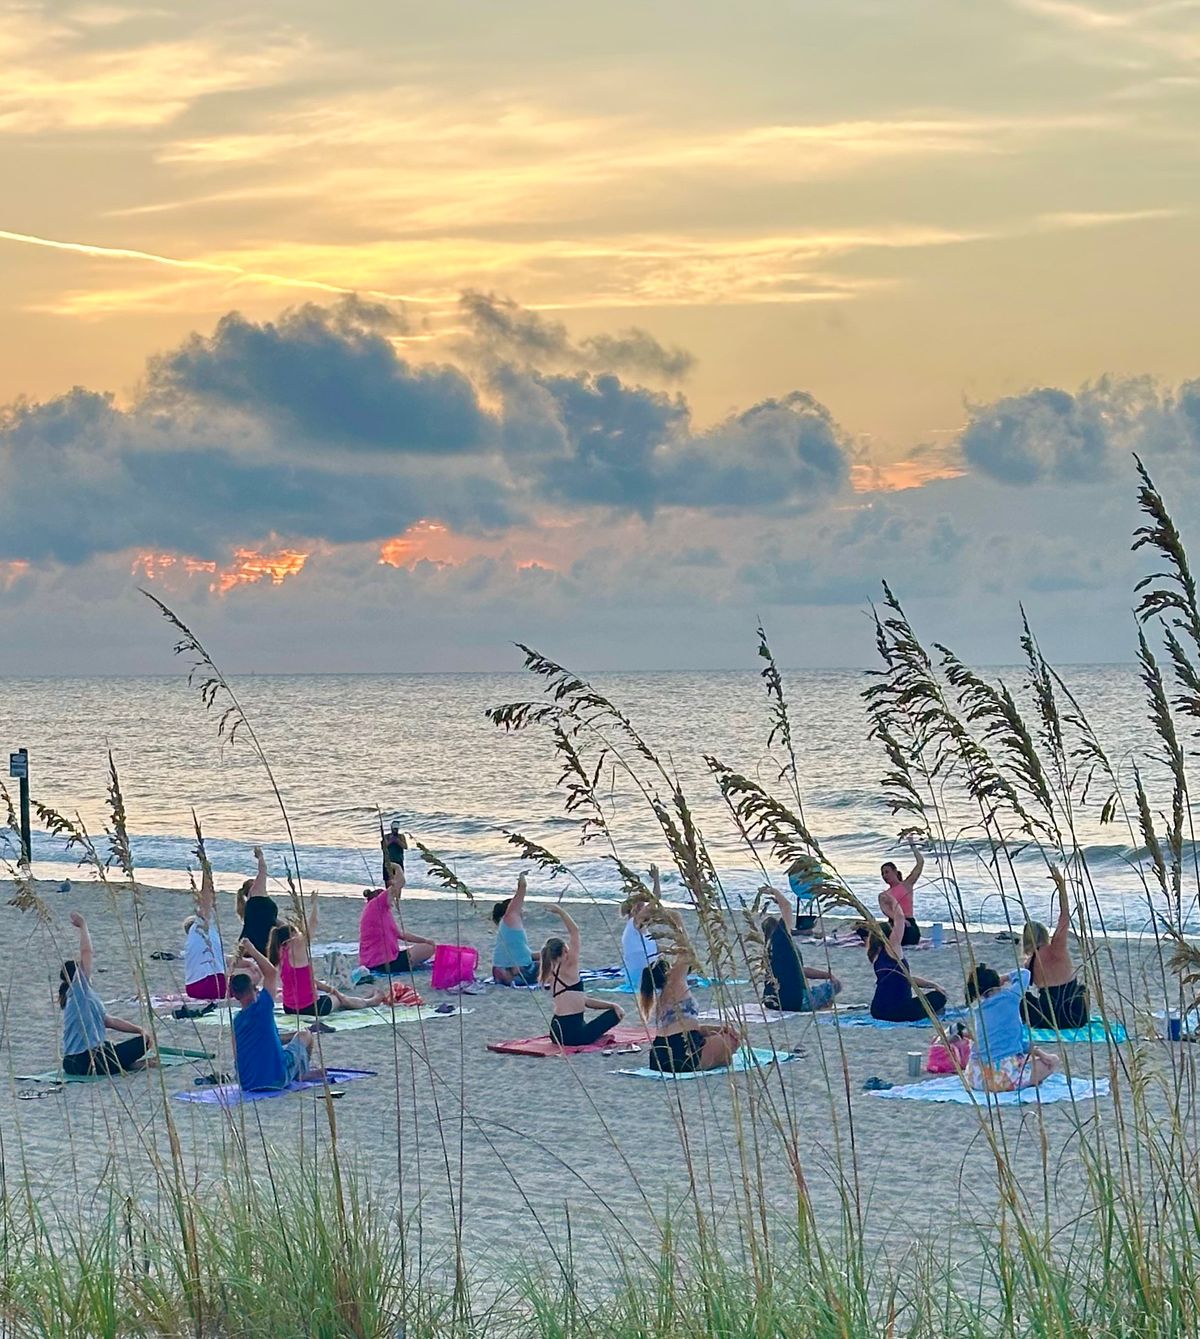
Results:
<point x="296" y="1060"/>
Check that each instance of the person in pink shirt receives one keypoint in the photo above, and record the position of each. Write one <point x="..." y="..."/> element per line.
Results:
<point x="300" y="990"/>
<point x="901" y="889"/>
<point x="384" y="947"/>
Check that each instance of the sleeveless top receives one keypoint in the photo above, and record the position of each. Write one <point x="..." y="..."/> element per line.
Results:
<point x="685" y="1011"/>
<point x="299" y="986"/>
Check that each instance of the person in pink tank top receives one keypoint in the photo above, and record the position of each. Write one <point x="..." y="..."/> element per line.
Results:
<point x="900" y="888"/>
<point x="301" y="992"/>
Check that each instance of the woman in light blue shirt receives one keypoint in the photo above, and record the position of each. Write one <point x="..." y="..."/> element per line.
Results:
<point x="86" y="1049"/>
<point x="1002" y="1061"/>
<point x="512" y="958"/>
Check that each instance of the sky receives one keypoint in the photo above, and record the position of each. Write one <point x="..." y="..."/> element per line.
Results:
<point x="379" y="337"/>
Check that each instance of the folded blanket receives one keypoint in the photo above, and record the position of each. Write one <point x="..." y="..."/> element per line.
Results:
<point x="1057" y="1088"/>
<point x="546" y="1045"/>
<point x="166" y="1060"/>
<point x="231" y="1095"/>
<point x="747" y="1058"/>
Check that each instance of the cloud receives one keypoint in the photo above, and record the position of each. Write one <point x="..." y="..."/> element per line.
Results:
<point x="502" y="329"/>
<point x="1053" y="434"/>
<point x="313" y="427"/>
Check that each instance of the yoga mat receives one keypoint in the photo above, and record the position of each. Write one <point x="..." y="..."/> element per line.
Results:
<point x="349" y="947"/>
<point x="546" y="1045"/>
<point x="167" y="1061"/>
<point x="747" y="1058"/>
<point x="185" y="1053"/>
<point x="752" y="1012"/>
<point x="865" y="1020"/>
<point x="348" y="1020"/>
<point x="231" y="1095"/>
<point x="1098" y="1030"/>
<point x="1057" y="1088"/>
<point x="696" y="983"/>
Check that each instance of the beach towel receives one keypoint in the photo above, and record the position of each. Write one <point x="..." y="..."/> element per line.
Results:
<point x="749" y="1057"/>
<point x="844" y="939"/>
<point x="166" y="1060"/>
<point x="231" y="1095"/>
<point x="546" y="1045"/>
<point x="751" y="1012"/>
<point x="1057" y="1088"/>
<point x="349" y="1020"/>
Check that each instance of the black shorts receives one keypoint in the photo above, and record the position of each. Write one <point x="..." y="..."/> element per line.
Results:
<point x="398" y="964"/>
<point x="680" y="1053"/>
<point x="321" y="1006"/>
<point x="107" y="1059"/>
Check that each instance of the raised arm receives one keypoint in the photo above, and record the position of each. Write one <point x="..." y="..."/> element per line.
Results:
<point x="516" y="904"/>
<point x="572" y="930"/>
<point x="311" y="926"/>
<point x="915" y="873"/>
<point x="783" y="902"/>
<point x="258" y="885"/>
<point x="207" y="897"/>
<point x="270" y="973"/>
<point x="1063" y="928"/>
<point x="656" y="882"/>
<point x="86" y="956"/>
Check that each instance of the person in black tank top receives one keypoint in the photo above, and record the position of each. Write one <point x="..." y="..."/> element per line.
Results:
<point x="560" y="975"/>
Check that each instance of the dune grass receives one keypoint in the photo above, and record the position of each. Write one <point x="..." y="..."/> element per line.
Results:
<point x="976" y="770"/>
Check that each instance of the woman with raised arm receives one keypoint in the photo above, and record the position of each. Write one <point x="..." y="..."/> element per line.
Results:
<point x="512" y="959"/>
<point x="560" y="976"/>
<point x="682" y="1044"/>
<point x="259" y="913"/>
<point x="901" y="891"/>
<point x="1062" y="999"/>
<point x="300" y="990"/>
<point x="203" y="954"/>
<point x="894" y="1000"/>
<point x="791" y="987"/>
<point x="86" y="1050"/>
<point x="385" y="948"/>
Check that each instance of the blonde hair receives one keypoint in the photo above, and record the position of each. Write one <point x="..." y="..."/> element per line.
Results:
<point x="552" y="953"/>
<point x="1034" y="936"/>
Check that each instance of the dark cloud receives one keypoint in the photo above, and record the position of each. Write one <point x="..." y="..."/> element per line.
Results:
<point x="1064" y="437"/>
<point x="510" y="333"/>
<point x="312" y="426"/>
<point x="329" y="375"/>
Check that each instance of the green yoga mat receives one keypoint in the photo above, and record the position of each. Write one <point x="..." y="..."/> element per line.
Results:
<point x="343" y="1020"/>
<point x="167" y="1060"/>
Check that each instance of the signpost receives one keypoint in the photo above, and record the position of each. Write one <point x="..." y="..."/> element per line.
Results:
<point x="18" y="769"/>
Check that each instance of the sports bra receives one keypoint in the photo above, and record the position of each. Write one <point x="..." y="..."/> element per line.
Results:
<point x="677" y="1013"/>
<point x="557" y="988"/>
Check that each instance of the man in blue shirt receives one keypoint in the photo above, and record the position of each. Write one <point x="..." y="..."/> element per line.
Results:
<point x="263" y="1058"/>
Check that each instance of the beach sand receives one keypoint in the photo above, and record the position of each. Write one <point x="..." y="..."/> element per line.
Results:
<point x="447" y="1124"/>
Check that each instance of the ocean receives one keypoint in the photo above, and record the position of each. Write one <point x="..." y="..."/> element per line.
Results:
<point x="418" y="747"/>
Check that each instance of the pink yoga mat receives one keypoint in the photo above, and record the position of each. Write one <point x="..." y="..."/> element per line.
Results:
<point x="545" y="1045"/>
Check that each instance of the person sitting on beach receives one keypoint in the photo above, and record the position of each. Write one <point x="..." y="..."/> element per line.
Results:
<point x="513" y="962"/>
<point x="1061" y="1000"/>
<point x="787" y="988"/>
<point x="638" y="948"/>
<point x="262" y="1057"/>
<point x="894" y="1001"/>
<point x="560" y="976"/>
<point x="682" y="1044"/>
<point x="203" y="954"/>
<point x="258" y="911"/>
<point x="394" y="846"/>
<point x="900" y="889"/>
<point x="379" y="932"/>
<point x="86" y="1050"/>
<point x="1001" y="1059"/>
<point x="289" y="950"/>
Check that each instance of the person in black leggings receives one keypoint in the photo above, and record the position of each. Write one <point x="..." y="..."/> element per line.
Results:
<point x="559" y="975"/>
<point x="894" y="1000"/>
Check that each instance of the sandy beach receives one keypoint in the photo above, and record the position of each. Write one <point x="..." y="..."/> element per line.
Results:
<point x="447" y="1126"/>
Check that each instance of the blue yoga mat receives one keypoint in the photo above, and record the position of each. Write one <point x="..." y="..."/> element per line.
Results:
<point x="1057" y="1088"/>
<point x="232" y="1095"/>
<point x="747" y="1058"/>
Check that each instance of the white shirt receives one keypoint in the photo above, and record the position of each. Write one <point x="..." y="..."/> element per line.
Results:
<point x="638" y="951"/>
<point x="202" y="952"/>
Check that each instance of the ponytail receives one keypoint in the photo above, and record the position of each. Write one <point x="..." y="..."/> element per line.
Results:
<point x="66" y="975"/>
<point x="654" y="977"/>
<point x="279" y="936"/>
<point x="552" y="951"/>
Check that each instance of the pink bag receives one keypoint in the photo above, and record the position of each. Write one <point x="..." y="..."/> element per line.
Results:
<point x="948" y="1059"/>
<point x="453" y="965"/>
